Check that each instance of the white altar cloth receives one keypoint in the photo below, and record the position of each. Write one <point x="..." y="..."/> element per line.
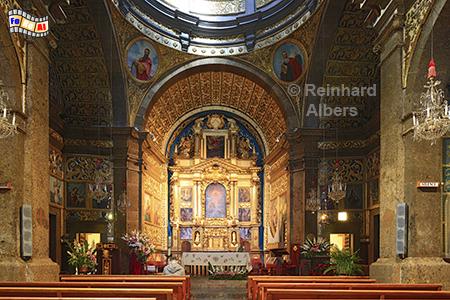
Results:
<point x="216" y="258"/>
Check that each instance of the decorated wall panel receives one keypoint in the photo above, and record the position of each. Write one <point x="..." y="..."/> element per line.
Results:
<point x="277" y="203"/>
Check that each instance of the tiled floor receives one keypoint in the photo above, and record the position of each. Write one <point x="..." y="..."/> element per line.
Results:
<point x="204" y="289"/>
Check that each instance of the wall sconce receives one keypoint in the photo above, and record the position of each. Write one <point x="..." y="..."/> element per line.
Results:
<point x="342" y="216"/>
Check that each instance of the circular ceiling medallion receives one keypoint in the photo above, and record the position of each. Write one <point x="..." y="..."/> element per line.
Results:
<point x="217" y="27"/>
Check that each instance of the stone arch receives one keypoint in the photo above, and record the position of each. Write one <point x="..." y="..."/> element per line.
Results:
<point x="219" y="64"/>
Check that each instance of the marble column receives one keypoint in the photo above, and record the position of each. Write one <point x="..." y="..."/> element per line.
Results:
<point x="403" y="163"/>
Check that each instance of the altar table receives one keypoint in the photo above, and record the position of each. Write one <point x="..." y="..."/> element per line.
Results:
<point x="198" y="261"/>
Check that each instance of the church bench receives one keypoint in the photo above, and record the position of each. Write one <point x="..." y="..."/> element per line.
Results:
<point x="177" y="287"/>
<point x="253" y="280"/>
<point x="158" y="294"/>
<point x="70" y="298"/>
<point x="185" y="280"/>
<point x="262" y="287"/>
<point x="285" y="294"/>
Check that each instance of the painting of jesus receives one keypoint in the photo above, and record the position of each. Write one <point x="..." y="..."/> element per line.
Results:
<point x="216" y="201"/>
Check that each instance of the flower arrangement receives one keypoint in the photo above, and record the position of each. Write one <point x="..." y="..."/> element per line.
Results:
<point x="82" y="256"/>
<point x="231" y="273"/>
<point x="140" y="243"/>
<point x="315" y="247"/>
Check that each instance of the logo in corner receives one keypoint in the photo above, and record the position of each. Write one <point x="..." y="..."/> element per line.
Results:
<point x="22" y="22"/>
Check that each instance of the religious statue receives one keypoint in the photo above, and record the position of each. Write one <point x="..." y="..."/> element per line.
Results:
<point x="233" y="238"/>
<point x="143" y="66"/>
<point x="215" y="122"/>
<point x="244" y="148"/>
<point x="197" y="238"/>
<point x="185" y="147"/>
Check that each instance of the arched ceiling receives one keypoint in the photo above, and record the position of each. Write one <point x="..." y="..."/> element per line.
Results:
<point x="225" y="89"/>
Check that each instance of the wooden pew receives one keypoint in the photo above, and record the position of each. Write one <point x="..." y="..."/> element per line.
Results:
<point x="186" y="280"/>
<point x="253" y="280"/>
<point x="159" y="294"/>
<point x="285" y="294"/>
<point x="68" y="298"/>
<point x="177" y="287"/>
<point x="262" y="287"/>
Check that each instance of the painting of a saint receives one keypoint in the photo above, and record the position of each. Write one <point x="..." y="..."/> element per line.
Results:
<point x="157" y="211"/>
<point x="186" y="233"/>
<point x="216" y="201"/>
<point x="244" y="214"/>
<point x="274" y="222"/>
<point x="186" y="214"/>
<point x="142" y="60"/>
<point x="56" y="190"/>
<point x="76" y="195"/>
<point x="147" y="208"/>
<point x="215" y="146"/>
<point x="186" y="195"/>
<point x="246" y="234"/>
<point x="289" y="62"/>
<point x="244" y="194"/>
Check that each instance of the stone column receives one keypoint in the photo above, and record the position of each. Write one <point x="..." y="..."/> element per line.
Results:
<point x="403" y="163"/>
<point x="25" y="163"/>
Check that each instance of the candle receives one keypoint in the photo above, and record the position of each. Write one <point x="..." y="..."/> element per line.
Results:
<point x="14" y="119"/>
<point x="4" y="112"/>
<point x="414" y="120"/>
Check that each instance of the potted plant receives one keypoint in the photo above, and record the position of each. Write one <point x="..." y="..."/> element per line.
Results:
<point x="343" y="262"/>
<point x="316" y="252"/>
<point x="82" y="257"/>
<point x="140" y="249"/>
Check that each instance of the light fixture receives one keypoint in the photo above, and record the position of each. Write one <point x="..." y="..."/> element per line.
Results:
<point x="337" y="189"/>
<point x="123" y="202"/>
<point x="432" y="118"/>
<point x="313" y="201"/>
<point x="8" y="125"/>
<point x="342" y="216"/>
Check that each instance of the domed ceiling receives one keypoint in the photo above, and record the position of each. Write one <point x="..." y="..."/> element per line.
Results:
<point x="208" y="89"/>
<point x="217" y="27"/>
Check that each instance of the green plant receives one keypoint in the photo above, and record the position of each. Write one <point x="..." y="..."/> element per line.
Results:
<point x="315" y="247"/>
<point x="343" y="262"/>
<point x="81" y="255"/>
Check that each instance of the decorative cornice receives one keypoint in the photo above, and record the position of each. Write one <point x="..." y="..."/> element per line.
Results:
<point x="349" y="144"/>
<point x="94" y="143"/>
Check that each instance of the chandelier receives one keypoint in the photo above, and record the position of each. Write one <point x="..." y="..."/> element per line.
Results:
<point x="313" y="201"/>
<point x="123" y="202"/>
<point x="432" y="119"/>
<point x="8" y="125"/>
<point x="337" y="189"/>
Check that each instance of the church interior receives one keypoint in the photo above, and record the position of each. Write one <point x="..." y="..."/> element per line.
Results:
<point x="228" y="149"/>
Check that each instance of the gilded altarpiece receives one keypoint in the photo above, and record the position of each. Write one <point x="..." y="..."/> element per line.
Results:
<point x="154" y="201"/>
<point x="277" y="204"/>
<point x="215" y="189"/>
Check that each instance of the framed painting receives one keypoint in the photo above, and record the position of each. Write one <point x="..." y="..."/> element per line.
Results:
<point x="186" y="195"/>
<point x="142" y="60"/>
<point x="245" y="234"/>
<point x="244" y="194"/>
<point x="186" y="233"/>
<point x="100" y="195"/>
<point x="186" y="214"/>
<point x="216" y="201"/>
<point x="147" y="208"/>
<point x="244" y="214"/>
<point x="76" y="195"/>
<point x="56" y="190"/>
<point x="157" y="212"/>
<point x="289" y="61"/>
<point x="215" y="146"/>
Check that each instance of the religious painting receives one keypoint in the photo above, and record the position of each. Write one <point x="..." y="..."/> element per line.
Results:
<point x="245" y="234"/>
<point x="277" y="220"/>
<point x="147" y="208"/>
<point x="186" y="214"/>
<point x="244" y="214"/>
<point x="244" y="194"/>
<point x="185" y="148"/>
<point x="101" y="195"/>
<point x="157" y="209"/>
<point x="289" y="61"/>
<point x="142" y="60"/>
<point x="216" y="201"/>
<point x="374" y="192"/>
<point x="76" y="195"/>
<point x="186" y="233"/>
<point x="56" y="190"/>
<point x="446" y="171"/>
<point x="354" y="196"/>
<point x="215" y="146"/>
<point x="186" y="195"/>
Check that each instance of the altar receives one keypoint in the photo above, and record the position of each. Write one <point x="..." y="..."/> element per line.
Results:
<point x="196" y="263"/>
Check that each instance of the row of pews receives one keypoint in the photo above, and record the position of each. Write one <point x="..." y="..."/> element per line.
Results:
<point x="100" y="287"/>
<point x="336" y="288"/>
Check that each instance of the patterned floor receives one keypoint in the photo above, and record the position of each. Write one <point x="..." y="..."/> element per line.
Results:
<point x="204" y="289"/>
